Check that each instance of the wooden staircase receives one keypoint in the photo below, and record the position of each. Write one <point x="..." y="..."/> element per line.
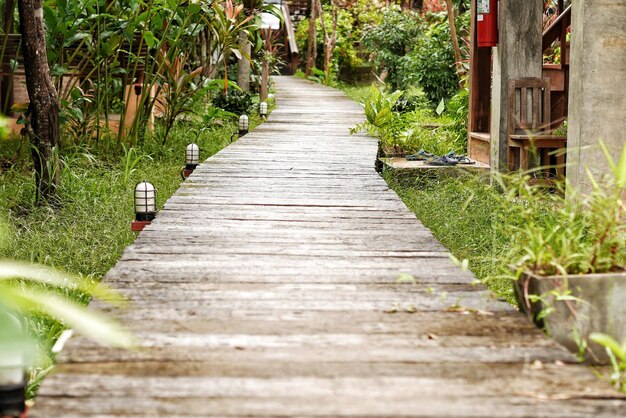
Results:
<point x="558" y="73"/>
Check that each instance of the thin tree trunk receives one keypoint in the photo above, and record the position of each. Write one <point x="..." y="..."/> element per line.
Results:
<point x="329" y="40"/>
<point x="265" y="78"/>
<point x="243" y="66"/>
<point x="43" y="112"/>
<point x="6" y="90"/>
<point x="311" y="52"/>
<point x="455" y="39"/>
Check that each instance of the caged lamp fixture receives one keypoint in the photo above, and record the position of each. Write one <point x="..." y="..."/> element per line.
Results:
<point x="263" y="109"/>
<point x="145" y="205"/>
<point x="192" y="159"/>
<point x="13" y="378"/>
<point x="244" y="123"/>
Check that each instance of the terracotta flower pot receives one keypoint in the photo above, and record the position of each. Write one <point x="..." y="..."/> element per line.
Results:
<point x="576" y="306"/>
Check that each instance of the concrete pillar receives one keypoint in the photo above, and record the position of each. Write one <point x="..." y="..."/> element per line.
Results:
<point x="517" y="55"/>
<point x="597" y="98"/>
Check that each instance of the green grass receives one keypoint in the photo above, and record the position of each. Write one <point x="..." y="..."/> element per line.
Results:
<point x="357" y="93"/>
<point x="464" y="215"/>
<point x="88" y="233"/>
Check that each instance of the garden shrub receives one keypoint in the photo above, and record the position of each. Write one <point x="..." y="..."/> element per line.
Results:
<point x="234" y="101"/>
<point x="391" y="41"/>
<point x="431" y="63"/>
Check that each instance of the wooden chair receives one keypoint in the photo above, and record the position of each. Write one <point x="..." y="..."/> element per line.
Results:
<point x="531" y="143"/>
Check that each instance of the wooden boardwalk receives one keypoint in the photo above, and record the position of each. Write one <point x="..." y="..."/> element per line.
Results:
<point x="268" y="287"/>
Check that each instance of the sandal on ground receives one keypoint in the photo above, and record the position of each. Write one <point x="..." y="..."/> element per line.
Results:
<point x="461" y="159"/>
<point x="420" y="155"/>
<point x="443" y="161"/>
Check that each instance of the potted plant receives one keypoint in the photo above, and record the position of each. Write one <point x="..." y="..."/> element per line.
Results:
<point x="569" y="259"/>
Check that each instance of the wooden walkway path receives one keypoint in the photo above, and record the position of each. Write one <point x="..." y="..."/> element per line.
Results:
<point x="268" y="287"/>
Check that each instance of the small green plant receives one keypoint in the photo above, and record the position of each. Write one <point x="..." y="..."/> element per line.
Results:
<point x="617" y="355"/>
<point x="28" y="290"/>
<point x="409" y="131"/>
<point x="179" y="91"/>
<point x="554" y="235"/>
<point x="234" y="100"/>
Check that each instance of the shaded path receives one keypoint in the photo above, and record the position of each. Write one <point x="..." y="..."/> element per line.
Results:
<point x="267" y="287"/>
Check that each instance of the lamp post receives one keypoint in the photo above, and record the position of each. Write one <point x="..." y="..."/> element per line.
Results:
<point x="263" y="109"/>
<point x="192" y="159"/>
<point x="145" y="205"/>
<point x="12" y="367"/>
<point x="244" y="123"/>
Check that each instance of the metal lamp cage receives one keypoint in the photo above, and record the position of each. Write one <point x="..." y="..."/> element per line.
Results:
<point x="192" y="156"/>
<point x="263" y="109"/>
<point x="145" y="201"/>
<point x="244" y="123"/>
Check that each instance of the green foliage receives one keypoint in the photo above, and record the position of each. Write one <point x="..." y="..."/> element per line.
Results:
<point x="617" y="356"/>
<point x="552" y="235"/>
<point x="519" y="222"/>
<point x="390" y="41"/>
<point x="234" y="100"/>
<point x="430" y="64"/>
<point x="417" y="51"/>
<point x="37" y="292"/>
<point x="458" y="110"/>
<point x="96" y="47"/>
<point x="382" y="121"/>
<point x="408" y="131"/>
<point x="345" y="52"/>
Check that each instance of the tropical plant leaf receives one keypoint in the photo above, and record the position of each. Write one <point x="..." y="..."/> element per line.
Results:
<point x="89" y="323"/>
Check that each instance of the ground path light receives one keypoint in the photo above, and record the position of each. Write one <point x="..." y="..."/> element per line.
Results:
<point x="263" y="109"/>
<point x="244" y="124"/>
<point x="12" y="367"/>
<point x="192" y="159"/>
<point x="145" y="205"/>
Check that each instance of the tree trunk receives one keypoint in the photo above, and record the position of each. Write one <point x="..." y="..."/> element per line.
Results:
<point x="6" y="89"/>
<point x="43" y="111"/>
<point x="455" y="39"/>
<point x="329" y="40"/>
<point x="243" y="67"/>
<point x="311" y="52"/>
<point x="265" y="78"/>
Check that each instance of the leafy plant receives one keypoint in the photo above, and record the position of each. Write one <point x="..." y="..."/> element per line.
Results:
<point x="234" y="101"/>
<point x="409" y="131"/>
<point x="391" y="41"/>
<point x="29" y="289"/>
<point x="430" y="64"/>
<point x="228" y="21"/>
<point x="179" y="91"/>
<point x="552" y="235"/>
<point x="617" y="355"/>
<point x="382" y="120"/>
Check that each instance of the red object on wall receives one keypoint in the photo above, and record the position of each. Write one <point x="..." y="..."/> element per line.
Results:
<point x="487" y="22"/>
